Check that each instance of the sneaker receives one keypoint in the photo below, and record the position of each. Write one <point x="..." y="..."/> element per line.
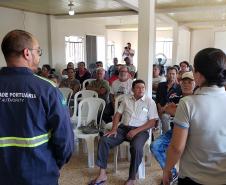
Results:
<point x="174" y="180"/>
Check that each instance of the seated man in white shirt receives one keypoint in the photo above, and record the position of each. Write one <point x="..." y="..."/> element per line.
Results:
<point x="139" y="114"/>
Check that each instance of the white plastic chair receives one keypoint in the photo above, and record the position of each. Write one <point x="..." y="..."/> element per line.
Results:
<point x="78" y="97"/>
<point x="67" y="93"/>
<point x="118" y="99"/>
<point x="88" y="110"/>
<point x="87" y="82"/>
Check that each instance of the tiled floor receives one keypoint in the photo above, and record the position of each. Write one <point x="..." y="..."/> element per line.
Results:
<point x="76" y="172"/>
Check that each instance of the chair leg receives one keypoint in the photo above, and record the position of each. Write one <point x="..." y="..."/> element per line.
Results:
<point x="90" y="148"/>
<point x="116" y="159"/>
<point x="122" y="149"/>
<point x="84" y="147"/>
<point x="76" y="142"/>
<point x="141" y="169"/>
<point x="148" y="159"/>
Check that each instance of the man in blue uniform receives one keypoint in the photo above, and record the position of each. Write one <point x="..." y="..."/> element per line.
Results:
<point x="36" y="137"/>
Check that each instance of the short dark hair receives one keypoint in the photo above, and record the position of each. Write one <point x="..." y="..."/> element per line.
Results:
<point x="176" y="66"/>
<point x="70" y="69"/>
<point x="82" y="63"/>
<point x="172" y="68"/>
<point x="15" y="42"/>
<point x="123" y="66"/>
<point x="99" y="62"/>
<point x="211" y="63"/>
<point x="115" y="59"/>
<point x="185" y="62"/>
<point x="138" y="81"/>
<point x="156" y="65"/>
<point x="47" y="66"/>
<point x="127" y="58"/>
<point x="70" y="63"/>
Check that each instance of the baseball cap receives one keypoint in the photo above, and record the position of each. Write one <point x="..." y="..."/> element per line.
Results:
<point x="188" y="75"/>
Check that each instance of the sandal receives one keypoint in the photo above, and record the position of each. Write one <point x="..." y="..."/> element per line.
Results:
<point x="93" y="182"/>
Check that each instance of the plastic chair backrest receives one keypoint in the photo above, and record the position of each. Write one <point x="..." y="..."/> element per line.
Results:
<point x="67" y="92"/>
<point x="88" y="110"/>
<point x="86" y="83"/>
<point x="80" y="96"/>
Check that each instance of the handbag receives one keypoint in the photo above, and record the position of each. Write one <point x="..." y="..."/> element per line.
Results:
<point x="90" y="128"/>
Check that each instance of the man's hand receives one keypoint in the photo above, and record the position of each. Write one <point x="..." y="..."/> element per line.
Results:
<point x="170" y="108"/>
<point x="161" y="110"/>
<point x="113" y="132"/>
<point x="131" y="134"/>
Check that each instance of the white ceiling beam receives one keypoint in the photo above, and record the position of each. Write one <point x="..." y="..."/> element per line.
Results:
<point x="124" y="26"/>
<point x="191" y="9"/>
<point x="129" y="4"/>
<point x="97" y="14"/>
<point x="204" y="23"/>
<point x="166" y="19"/>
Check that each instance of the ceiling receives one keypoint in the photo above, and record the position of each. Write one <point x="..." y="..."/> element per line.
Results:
<point x="193" y="14"/>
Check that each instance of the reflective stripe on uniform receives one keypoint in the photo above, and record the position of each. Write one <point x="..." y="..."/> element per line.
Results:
<point x="24" y="142"/>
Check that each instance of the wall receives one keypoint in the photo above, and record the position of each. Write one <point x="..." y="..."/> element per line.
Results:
<point x="116" y="38"/>
<point x="69" y="27"/>
<point x="160" y="34"/>
<point x="220" y="39"/>
<point x="122" y="38"/>
<point x="36" y="24"/>
<point x="200" y="39"/>
<point x="183" y="46"/>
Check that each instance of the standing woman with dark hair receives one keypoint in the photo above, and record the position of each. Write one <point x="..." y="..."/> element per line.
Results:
<point x="199" y="135"/>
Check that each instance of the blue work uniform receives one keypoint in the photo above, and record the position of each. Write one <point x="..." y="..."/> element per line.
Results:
<point x="36" y="136"/>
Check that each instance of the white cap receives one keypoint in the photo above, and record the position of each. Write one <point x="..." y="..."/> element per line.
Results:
<point x="188" y="75"/>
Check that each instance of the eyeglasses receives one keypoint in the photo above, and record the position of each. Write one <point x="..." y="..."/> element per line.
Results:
<point x="39" y="50"/>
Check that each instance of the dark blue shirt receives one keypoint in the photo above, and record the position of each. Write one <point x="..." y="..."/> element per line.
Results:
<point x="35" y="129"/>
<point x="164" y="96"/>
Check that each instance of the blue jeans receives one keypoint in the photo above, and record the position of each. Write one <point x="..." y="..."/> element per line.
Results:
<point x="159" y="148"/>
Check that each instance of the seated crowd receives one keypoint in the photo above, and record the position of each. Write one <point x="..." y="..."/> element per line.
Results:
<point x="189" y="107"/>
<point x="167" y="90"/>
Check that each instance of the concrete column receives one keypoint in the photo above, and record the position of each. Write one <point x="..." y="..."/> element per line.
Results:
<point x="175" y="44"/>
<point x="146" y="42"/>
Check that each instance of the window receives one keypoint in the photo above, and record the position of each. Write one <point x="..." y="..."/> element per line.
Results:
<point x="110" y="52"/>
<point x="74" y="49"/>
<point x="101" y="49"/>
<point x="165" y="46"/>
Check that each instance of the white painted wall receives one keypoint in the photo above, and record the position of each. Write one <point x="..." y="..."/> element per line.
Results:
<point x="116" y="38"/>
<point x="36" y="24"/>
<point x="121" y="38"/>
<point x="69" y="27"/>
<point x="162" y="34"/>
<point x="200" y="39"/>
<point x="183" y="47"/>
<point x="220" y="39"/>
